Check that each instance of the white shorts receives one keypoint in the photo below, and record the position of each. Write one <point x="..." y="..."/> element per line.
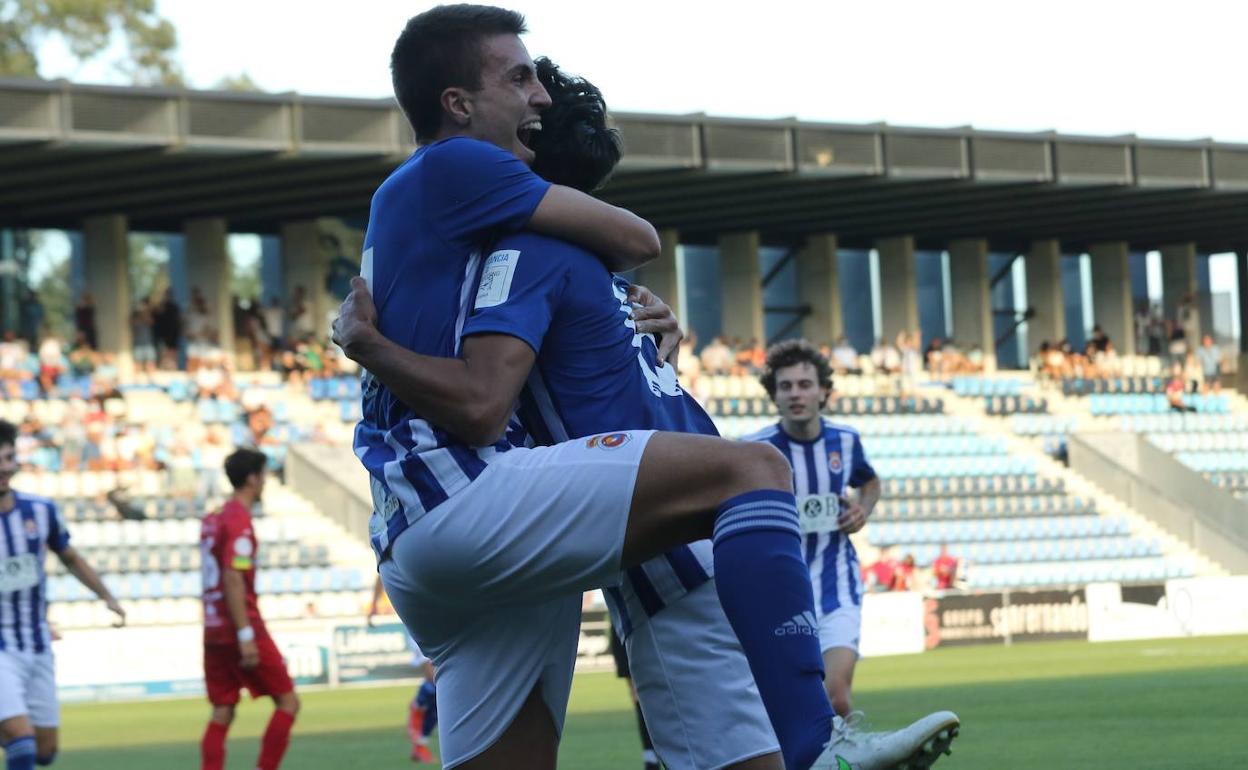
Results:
<point x="696" y="691"/>
<point x="489" y="583"/>
<point x="28" y="687"/>
<point x="841" y="628"/>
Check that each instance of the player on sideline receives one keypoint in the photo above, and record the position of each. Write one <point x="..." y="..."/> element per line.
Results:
<point x="238" y="651"/>
<point x="828" y="459"/>
<point x="507" y="357"/>
<point x="422" y="710"/>
<point x="29" y="711"/>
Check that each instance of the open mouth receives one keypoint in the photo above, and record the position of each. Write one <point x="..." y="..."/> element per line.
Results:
<point x="527" y="133"/>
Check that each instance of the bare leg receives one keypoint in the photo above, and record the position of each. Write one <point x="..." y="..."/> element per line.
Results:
<point x="530" y="743"/>
<point x="839" y="664"/>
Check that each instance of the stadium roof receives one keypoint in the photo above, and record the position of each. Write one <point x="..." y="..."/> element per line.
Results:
<point x="162" y="156"/>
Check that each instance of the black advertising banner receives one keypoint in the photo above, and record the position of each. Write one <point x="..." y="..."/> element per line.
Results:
<point x="1021" y="616"/>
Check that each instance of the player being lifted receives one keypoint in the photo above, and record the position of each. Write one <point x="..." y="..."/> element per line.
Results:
<point x="238" y="651"/>
<point x="30" y="526"/>
<point x="828" y="460"/>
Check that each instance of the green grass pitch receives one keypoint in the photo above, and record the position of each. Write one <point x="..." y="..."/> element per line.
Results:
<point x="1152" y="704"/>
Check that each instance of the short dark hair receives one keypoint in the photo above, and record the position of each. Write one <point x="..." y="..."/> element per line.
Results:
<point x="8" y="433"/>
<point x="788" y="353"/>
<point x="240" y="465"/>
<point x="440" y="49"/>
<point x="575" y="147"/>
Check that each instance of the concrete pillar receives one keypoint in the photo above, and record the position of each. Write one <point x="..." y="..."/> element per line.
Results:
<point x="899" y="301"/>
<point x="741" y="286"/>
<point x="819" y="286"/>
<point x="9" y="297"/>
<point x="303" y="261"/>
<point x="1111" y="294"/>
<point x="1204" y="295"/>
<point x="208" y="269"/>
<point x="107" y="248"/>
<point x="662" y="276"/>
<point x="1178" y="274"/>
<point x="1043" y="263"/>
<point x="1241" y="275"/>
<point x="972" y="298"/>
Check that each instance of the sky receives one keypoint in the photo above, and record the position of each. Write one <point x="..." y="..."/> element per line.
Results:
<point x="1096" y="67"/>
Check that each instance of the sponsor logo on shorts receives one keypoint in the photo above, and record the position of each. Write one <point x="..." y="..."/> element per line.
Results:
<point x="834" y="462"/>
<point x="802" y="624"/>
<point x="608" y="441"/>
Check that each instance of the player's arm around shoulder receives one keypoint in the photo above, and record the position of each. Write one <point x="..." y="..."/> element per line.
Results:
<point x="81" y="569"/>
<point x="622" y="239"/>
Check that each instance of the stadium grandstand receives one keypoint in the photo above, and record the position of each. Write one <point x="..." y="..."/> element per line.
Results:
<point x="1043" y="340"/>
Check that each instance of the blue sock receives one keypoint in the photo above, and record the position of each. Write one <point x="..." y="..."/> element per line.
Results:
<point x="427" y="698"/>
<point x="764" y="587"/>
<point x="19" y="754"/>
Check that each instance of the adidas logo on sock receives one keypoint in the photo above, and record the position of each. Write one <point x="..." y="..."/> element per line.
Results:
<point x="803" y="624"/>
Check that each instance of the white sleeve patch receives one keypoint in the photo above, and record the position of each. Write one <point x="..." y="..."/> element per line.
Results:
<point x="495" y="285"/>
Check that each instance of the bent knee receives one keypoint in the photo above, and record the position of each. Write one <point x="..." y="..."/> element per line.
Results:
<point x="289" y="703"/>
<point x="43" y="760"/>
<point x="764" y="467"/>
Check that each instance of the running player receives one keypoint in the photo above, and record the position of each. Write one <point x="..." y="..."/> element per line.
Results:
<point x="29" y="710"/>
<point x="238" y="651"/>
<point x="828" y="460"/>
<point x="569" y="286"/>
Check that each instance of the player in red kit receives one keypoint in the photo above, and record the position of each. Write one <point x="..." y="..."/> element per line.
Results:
<point x="238" y="651"/>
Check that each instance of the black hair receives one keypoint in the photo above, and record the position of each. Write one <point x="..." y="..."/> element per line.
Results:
<point x="788" y="353"/>
<point x="575" y="147"/>
<point x="441" y="49"/>
<point x="240" y="465"/>
<point x="8" y="433"/>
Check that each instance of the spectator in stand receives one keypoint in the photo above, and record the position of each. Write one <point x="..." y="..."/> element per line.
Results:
<point x="13" y="368"/>
<point x="758" y="356"/>
<point x="30" y="316"/>
<point x="1177" y="345"/>
<point x="934" y="357"/>
<point x="717" y="357"/>
<point x="844" y="357"/>
<point x="944" y="569"/>
<point x="1193" y="373"/>
<point x="1108" y="362"/>
<point x="975" y="359"/>
<point x="911" y="360"/>
<point x="903" y="579"/>
<point x="143" y="338"/>
<point x="198" y="322"/>
<point x="51" y="364"/>
<point x="299" y="317"/>
<point x="885" y="357"/>
<point x="167" y="330"/>
<point x="1210" y="357"/>
<point x="882" y="574"/>
<point x="81" y="356"/>
<point x="1099" y="338"/>
<point x="1175" y="388"/>
<point x="1156" y="329"/>
<point x="273" y="317"/>
<point x="84" y="319"/>
<point x="688" y="365"/>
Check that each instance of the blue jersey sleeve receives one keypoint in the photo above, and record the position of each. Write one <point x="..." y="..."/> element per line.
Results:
<point x="518" y="291"/>
<point x="480" y="189"/>
<point x="58" y="533"/>
<point x="863" y="472"/>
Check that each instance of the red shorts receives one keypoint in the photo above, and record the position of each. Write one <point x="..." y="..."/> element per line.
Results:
<point x="225" y="677"/>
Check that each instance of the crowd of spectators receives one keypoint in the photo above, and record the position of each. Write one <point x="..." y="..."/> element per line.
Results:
<point x="888" y="573"/>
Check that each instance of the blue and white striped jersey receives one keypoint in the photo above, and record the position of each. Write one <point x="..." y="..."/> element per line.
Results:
<point x="830" y="464"/>
<point x="427" y="226"/>
<point x="594" y="374"/>
<point x="29" y="529"/>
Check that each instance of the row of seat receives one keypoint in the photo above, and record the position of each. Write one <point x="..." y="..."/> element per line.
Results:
<point x="90" y="484"/>
<point x="67" y="386"/>
<point x="334" y="389"/>
<point x="1153" y="404"/>
<point x="1079" y="386"/>
<point x="933" y="446"/>
<point x="189" y="610"/>
<point x="171" y="532"/>
<point x="971" y="486"/>
<point x="1152" y="569"/>
<point x="1186" y="422"/>
<point x="1005" y="405"/>
<point x="159" y="585"/>
<point x="127" y="559"/>
<point x="1043" y="424"/>
<point x="1016" y="552"/>
<point x="983" y="386"/>
<point x="899" y="467"/>
<point x="982" y="506"/>
<point x="1200" y="442"/>
<point x="1214" y="462"/>
<point x="1236" y="481"/>
<point x="993" y="529"/>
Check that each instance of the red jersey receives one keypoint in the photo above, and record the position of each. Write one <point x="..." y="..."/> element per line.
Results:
<point x="944" y="568"/>
<point x="227" y="541"/>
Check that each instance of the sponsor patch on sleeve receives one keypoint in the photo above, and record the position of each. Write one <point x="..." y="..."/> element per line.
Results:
<point x="496" y="277"/>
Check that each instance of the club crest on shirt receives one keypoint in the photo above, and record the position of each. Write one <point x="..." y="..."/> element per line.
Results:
<point x="607" y="441"/>
<point x="32" y="530"/>
<point x="834" y="462"/>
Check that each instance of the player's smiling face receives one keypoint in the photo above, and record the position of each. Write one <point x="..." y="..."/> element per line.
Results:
<point x="798" y="395"/>
<point x="507" y="109"/>
<point x="8" y="466"/>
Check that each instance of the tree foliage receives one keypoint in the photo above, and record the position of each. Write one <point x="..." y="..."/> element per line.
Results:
<point x="88" y="29"/>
